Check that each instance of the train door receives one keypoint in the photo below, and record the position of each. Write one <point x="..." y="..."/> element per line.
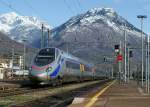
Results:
<point x="82" y="72"/>
<point x="47" y="74"/>
<point x="93" y="73"/>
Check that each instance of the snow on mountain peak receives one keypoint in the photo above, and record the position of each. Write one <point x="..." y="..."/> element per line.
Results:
<point x="100" y="15"/>
<point x="12" y="19"/>
<point x="107" y="15"/>
<point x="19" y="27"/>
<point x="102" y="11"/>
<point x="10" y="14"/>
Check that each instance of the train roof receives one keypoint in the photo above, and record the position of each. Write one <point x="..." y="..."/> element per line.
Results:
<point x="72" y="57"/>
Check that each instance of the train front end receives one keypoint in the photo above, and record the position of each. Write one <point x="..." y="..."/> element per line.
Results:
<point x="43" y="65"/>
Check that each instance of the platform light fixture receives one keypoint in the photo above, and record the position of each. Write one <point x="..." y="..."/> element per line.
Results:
<point x="141" y="17"/>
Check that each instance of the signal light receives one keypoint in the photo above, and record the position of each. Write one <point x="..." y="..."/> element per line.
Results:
<point x="130" y="54"/>
<point x="105" y="59"/>
<point x="117" y="48"/>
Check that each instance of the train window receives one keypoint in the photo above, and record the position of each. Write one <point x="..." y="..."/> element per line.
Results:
<point x="59" y="59"/>
<point x="72" y="65"/>
<point x="86" y="68"/>
<point x="47" y="51"/>
<point x="57" y="53"/>
<point x="45" y="56"/>
<point x="43" y="60"/>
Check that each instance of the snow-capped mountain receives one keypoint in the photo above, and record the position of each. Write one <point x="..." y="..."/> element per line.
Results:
<point x="93" y="34"/>
<point x="21" y="28"/>
<point x="90" y="36"/>
<point x="98" y="15"/>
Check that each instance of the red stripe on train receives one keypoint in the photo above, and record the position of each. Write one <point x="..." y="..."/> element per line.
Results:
<point x="39" y="68"/>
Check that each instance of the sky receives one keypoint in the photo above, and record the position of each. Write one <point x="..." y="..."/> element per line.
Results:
<point x="57" y="12"/>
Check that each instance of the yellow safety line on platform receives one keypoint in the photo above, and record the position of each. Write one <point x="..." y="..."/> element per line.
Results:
<point x="94" y="99"/>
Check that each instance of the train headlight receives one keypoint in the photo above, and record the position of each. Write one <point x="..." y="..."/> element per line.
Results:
<point x="30" y="68"/>
<point x="49" y="69"/>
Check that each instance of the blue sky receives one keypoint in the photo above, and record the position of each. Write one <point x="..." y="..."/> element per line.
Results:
<point x="56" y="12"/>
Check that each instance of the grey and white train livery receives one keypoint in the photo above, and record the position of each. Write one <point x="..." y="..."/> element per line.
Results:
<point x="52" y="65"/>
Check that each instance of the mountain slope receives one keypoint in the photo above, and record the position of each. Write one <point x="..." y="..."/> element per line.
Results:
<point x="19" y="27"/>
<point x="94" y="16"/>
<point x="92" y="35"/>
<point x="7" y="46"/>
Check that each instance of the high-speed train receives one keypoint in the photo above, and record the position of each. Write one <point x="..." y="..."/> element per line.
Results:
<point x="52" y="65"/>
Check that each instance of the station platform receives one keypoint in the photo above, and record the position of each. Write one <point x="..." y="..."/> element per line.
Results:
<point x="114" y="94"/>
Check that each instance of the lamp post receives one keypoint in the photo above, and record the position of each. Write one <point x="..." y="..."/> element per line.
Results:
<point x="128" y="64"/>
<point x="141" y="17"/>
<point x="48" y="38"/>
<point x="125" y="60"/>
<point x="148" y="73"/>
<point x="42" y="36"/>
<point x="24" y="55"/>
<point x="147" y="65"/>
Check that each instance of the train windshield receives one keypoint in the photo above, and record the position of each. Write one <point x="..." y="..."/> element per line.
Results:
<point x="45" y="56"/>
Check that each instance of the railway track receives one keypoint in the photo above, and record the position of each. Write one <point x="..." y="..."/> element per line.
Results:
<point x="11" y="91"/>
<point x="57" y="100"/>
<point x="19" y="90"/>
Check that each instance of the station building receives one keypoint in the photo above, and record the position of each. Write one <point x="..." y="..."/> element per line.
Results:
<point x="9" y="64"/>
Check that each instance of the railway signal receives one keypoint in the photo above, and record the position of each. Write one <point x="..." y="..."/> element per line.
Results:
<point x="119" y="57"/>
<point x="130" y="53"/>
<point x="105" y="59"/>
<point x="117" y="48"/>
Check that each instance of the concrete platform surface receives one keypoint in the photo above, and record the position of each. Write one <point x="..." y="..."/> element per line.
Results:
<point x="114" y="95"/>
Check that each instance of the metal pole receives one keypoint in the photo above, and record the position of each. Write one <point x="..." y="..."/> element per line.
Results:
<point x="142" y="17"/>
<point x="148" y="63"/>
<point x="128" y="64"/>
<point x="48" y="37"/>
<point x="120" y="72"/>
<point x="24" y="57"/>
<point x="42" y="36"/>
<point x="146" y="50"/>
<point x="112" y="70"/>
<point x="142" y="47"/>
<point x="125" y="70"/>
<point x="12" y="60"/>
<point x="67" y="48"/>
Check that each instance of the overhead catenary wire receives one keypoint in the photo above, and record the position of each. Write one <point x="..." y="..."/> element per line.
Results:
<point x="69" y="7"/>
<point x="35" y="11"/>
<point x="43" y="28"/>
<point x="10" y="6"/>
<point x="28" y="4"/>
<point x="76" y="7"/>
<point x="79" y="4"/>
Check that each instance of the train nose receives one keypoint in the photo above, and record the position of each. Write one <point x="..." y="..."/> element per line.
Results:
<point x="35" y="79"/>
<point x="38" y="76"/>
